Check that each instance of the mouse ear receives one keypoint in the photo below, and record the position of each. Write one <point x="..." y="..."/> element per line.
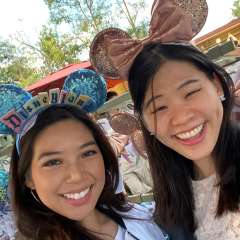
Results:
<point x="12" y="98"/>
<point x="138" y="143"/>
<point x="123" y="123"/>
<point x="99" y="58"/>
<point x="198" y="9"/>
<point x="89" y="86"/>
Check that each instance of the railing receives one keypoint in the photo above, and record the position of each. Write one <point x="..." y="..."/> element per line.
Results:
<point x="140" y="198"/>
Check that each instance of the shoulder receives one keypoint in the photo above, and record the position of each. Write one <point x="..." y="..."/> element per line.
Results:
<point x="139" y="221"/>
<point x="142" y="211"/>
<point x="221" y="228"/>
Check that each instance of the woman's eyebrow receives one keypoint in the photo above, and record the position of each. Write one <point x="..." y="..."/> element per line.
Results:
<point x="153" y="98"/>
<point x="49" y="153"/>
<point x="87" y="144"/>
<point x="184" y="84"/>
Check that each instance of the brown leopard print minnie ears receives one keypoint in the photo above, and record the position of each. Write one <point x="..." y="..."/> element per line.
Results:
<point x="112" y="51"/>
<point x="127" y="124"/>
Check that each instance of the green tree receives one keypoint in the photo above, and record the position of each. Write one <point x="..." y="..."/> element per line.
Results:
<point x="72" y="26"/>
<point x="14" y="67"/>
<point x="52" y="50"/>
<point x="85" y="18"/>
<point x="137" y="26"/>
<point x="57" y="50"/>
<point x="236" y="8"/>
<point x="7" y="52"/>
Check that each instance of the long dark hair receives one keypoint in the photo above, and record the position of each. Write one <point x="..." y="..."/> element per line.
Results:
<point x="172" y="173"/>
<point x="36" y="221"/>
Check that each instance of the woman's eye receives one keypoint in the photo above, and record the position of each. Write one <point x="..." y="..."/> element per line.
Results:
<point x="159" y="109"/>
<point x="192" y="92"/>
<point x="51" y="163"/>
<point x="89" y="153"/>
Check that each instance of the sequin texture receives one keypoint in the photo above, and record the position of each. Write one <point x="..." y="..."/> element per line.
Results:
<point x="87" y="82"/>
<point x="11" y="97"/>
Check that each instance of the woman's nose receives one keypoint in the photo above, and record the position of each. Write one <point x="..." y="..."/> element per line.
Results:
<point x="181" y="115"/>
<point x="74" y="173"/>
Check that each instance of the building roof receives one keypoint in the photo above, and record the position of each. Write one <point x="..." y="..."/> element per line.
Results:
<point x="56" y="79"/>
<point x="223" y="28"/>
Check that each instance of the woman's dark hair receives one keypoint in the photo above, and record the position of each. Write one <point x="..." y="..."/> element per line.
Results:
<point x="172" y="173"/>
<point x="36" y="221"/>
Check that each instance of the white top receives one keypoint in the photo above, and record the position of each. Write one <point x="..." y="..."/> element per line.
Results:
<point x="226" y="227"/>
<point x="141" y="226"/>
<point x="123" y="234"/>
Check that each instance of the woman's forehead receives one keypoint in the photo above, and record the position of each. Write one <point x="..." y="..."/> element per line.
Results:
<point x="70" y="130"/>
<point x="176" y="68"/>
<point x="175" y="75"/>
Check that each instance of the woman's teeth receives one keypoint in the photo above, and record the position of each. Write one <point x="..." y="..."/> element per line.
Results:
<point x="76" y="196"/>
<point x="190" y="134"/>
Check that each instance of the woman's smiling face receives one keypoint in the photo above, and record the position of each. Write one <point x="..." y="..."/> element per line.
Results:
<point x="67" y="169"/>
<point x="183" y="109"/>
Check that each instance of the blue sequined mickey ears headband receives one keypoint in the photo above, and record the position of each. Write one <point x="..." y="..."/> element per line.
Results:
<point x="19" y="109"/>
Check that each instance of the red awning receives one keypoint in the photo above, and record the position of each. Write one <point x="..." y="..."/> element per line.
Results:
<point x="55" y="80"/>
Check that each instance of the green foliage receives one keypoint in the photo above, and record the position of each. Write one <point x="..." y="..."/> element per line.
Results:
<point x="133" y="11"/>
<point x="93" y="14"/>
<point x="88" y="17"/>
<point x="57" y="51"/>
<point x="15" y="68"/>
<point x="236" y="8"/>
<point x="18" y="72"/>
<point x="7" y="52"/>
<point x="72" y="26"/>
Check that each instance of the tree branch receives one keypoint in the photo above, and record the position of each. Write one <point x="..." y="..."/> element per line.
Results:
<point x="82" y="11"/>
<point x="89" y="6"/>
<point x="32" y="47"/>
<point x="129" y="17"/>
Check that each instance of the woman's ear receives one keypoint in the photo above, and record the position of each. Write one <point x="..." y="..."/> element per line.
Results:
<point x="217" y="84"/>
<point x="29" y="182"/>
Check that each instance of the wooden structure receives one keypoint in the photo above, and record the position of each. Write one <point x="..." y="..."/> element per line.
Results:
<point x="219" y="35"/>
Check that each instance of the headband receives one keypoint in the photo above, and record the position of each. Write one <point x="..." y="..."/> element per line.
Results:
<point x="112" y="51"/>
<point x="19" y="109"/>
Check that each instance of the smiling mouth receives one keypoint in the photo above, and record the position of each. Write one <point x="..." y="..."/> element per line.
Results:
<point x="191" y="134"/>
<point x="77" y="195"/>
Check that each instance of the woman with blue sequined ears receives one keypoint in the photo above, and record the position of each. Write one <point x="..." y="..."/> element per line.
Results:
<point x="63" y="170"/>
<point x="184" y="104"/>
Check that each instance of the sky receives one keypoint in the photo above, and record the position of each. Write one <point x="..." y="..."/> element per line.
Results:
<point x="28" y="16"/>
<point x="25" y="16"/>
<point x="219" y="13"/>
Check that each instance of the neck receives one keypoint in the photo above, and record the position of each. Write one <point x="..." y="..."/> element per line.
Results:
<point x="100" y="225"/>
<point x="204" y="168"/>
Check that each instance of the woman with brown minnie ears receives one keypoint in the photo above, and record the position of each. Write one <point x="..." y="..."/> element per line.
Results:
<point x="184" y="104"/>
